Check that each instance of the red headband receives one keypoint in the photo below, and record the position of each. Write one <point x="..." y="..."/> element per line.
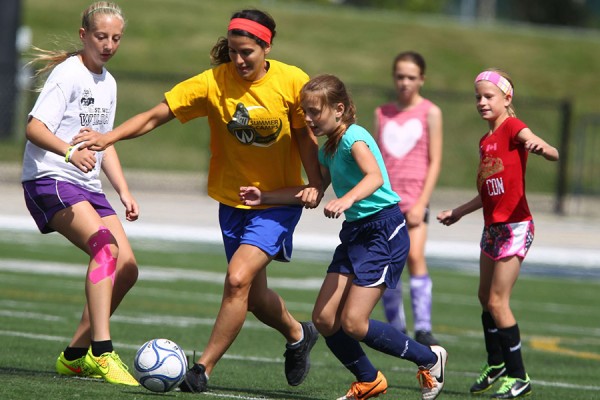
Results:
<point x="258" y="30"/>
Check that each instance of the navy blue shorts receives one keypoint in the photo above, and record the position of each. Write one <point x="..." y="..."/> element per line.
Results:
<point x="45" y="197"/>
<point x="270" y="229"/>
<point x="373" y="249"/>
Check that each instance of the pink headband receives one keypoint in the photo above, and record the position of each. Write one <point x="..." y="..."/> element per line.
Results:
<point x="258" y="30"/>
<point x="497" y="80"/>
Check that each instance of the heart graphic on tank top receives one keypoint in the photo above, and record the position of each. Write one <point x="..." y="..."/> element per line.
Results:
<point x="398" y="139"/>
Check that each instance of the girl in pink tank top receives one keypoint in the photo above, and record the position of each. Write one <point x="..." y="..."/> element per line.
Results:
<point x="409" y="134"/>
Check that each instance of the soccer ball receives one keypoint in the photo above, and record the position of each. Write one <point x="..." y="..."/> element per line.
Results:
<point x="160" y="365"/>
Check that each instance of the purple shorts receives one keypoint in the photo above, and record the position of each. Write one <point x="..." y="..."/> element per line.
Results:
<point x="45" y="197"/>
<point x="499" y="241"/>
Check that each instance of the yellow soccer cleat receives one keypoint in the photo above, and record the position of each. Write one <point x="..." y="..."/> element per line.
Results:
<point x="110" y="367"/>
<point x="76" y="367"/>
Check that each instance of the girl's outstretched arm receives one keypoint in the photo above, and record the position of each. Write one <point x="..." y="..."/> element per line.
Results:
<point x="536" y="145"/>
<point x="448" y="217"/>
<point x="306" y="195"/>
<point x="135" y="126"/>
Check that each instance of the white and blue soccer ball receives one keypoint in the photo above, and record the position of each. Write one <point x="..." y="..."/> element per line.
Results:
<point x="160" y="365"/>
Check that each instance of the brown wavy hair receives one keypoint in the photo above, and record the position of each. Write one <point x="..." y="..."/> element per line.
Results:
<point x="219" y="54"/>
<point x="330" y="90"/>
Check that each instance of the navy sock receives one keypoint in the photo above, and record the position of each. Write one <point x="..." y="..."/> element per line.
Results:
<point x="510" y="340"/>
<point x="352" y="356"/>
<point x="386" y="339"/>
<point x="492" y="340"/>
<point x="73" y="353"/>
<point x="101" y="347"/>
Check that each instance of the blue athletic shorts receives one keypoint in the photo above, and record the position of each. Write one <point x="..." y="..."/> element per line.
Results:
<point x="373" y="249"/>
<point x="45" y="197"/>
<point x="270" y="229"/>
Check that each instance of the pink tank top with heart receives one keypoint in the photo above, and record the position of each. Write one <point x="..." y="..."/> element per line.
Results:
<point x="403" y="138"/>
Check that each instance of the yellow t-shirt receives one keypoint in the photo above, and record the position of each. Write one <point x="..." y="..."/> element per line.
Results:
<point x="250" y="127"/>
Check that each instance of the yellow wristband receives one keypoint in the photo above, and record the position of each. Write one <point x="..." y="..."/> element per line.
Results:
<point x="68" y="154"/>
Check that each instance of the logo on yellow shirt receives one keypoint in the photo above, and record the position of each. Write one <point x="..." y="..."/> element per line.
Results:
<point x="246" y="129"/>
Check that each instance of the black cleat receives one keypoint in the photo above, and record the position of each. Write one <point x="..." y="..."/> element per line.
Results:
<point x="489" y="375"/>
<point x="297" y="359"/>
<point x="195" y="380"/>
<point x="426" y="338"/>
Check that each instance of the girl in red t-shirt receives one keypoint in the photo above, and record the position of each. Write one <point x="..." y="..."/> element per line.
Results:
<point x="508" y="228"/>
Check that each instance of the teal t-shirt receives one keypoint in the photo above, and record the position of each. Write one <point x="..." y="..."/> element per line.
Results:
<point x="345" y="174"/>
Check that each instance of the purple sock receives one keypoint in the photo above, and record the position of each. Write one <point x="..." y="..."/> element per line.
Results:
<point x="420" y="294"/>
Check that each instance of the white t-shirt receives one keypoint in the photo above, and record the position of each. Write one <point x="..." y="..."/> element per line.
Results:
<point x="72" y="97"/>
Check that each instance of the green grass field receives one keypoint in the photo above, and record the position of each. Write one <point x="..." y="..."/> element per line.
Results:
<point x="178" y="295"/>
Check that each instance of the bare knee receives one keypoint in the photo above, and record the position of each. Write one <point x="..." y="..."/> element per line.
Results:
<point x="236" y="285"/>
<point x="104" y="251"/>
<point x="355" y="326"/>
<point x="325" y="326"/>
<point x="496" y="306"/>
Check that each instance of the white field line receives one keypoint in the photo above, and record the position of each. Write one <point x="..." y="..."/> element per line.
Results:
<point x="39" y="337"/>
<point x="163" y="274"/>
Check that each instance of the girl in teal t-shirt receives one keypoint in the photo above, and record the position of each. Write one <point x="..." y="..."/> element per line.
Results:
<point x="373" y="249"/>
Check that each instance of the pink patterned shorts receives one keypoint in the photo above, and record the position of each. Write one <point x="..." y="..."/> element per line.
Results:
<point x="504" y="240"/>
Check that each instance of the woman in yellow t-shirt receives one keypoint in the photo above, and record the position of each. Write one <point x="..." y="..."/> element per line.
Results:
<point x="257" y="137"/>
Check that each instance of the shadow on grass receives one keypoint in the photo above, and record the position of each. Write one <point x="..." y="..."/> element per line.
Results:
<point x="270" y="394"/>
<point x="418" y="390"/>
<point x="22" y="371"/>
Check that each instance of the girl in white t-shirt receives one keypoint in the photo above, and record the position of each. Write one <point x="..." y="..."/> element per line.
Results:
<point x="63" y="191"/>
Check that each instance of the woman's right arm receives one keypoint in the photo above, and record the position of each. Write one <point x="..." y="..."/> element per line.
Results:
<point x="135" y="126"/>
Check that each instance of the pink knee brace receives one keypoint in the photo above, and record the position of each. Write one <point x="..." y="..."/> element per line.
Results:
<point x="100" y="249"/>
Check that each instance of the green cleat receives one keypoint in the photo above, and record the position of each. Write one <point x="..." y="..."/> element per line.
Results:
<point x="513" y="388"/>
<point x="489" y="375"/>
<point x="110" y="367"/>
<point x="76" y="367"/>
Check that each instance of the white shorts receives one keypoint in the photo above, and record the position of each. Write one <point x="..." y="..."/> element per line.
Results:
<point x="504" y="240"/>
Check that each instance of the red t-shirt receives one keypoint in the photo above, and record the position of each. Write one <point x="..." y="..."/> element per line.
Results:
<point x="501" y="174"/>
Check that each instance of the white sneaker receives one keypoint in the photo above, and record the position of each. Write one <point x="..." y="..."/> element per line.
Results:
<point x="432" y="380"/>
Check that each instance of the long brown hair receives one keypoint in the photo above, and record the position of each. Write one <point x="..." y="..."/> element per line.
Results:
<point x="330" y="90"/>
<point x="51" y="58"/>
